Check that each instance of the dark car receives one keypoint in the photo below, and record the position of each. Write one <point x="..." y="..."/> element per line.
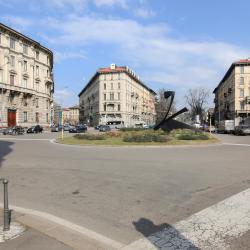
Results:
<point x="104" y="128"/>
<point x="35" y="129"/>
<point x="78" y="129"/>
<point x="97" y="127"/>
<point x="242" y="130"/>
<point x="16" y="130"/>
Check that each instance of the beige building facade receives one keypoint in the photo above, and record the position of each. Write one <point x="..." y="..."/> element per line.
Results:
<point x="116" y="96"/>
<point x="71" y="115"/>
<point x="26" y="80"/>
<point x="232" y="95"/>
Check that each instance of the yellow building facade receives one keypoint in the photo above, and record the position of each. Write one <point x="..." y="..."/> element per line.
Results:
<point x="116" y="96"/>
<point x="232" y="95"/>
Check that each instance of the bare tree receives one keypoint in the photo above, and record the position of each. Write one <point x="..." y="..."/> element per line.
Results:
<point x="196" y="99"/>
<point x="162" y="105"/>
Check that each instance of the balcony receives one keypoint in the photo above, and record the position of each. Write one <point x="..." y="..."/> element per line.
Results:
<point x="19" y="89"/>
<point x="48" y="80"/>
<point x="247" y="99"/>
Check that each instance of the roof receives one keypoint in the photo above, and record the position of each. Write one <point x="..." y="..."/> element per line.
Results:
<point x="4" y="27"/>
<point x="74" y="107"/>
<point x="116" y="69"/>
<point x="229" y="71"/>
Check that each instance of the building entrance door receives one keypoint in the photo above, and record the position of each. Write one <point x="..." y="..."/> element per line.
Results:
<point x="11" y="117"/>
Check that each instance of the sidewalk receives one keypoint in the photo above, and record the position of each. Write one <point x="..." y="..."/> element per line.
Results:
<point x="41" y="234"/>
<point x="30" y="239"/>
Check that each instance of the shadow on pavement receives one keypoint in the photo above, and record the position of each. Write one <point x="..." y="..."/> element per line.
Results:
<point x="163" y="236"/>
<point x="5" y="149"/>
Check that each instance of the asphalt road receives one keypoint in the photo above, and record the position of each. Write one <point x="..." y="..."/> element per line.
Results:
<point x="110" y="190"/>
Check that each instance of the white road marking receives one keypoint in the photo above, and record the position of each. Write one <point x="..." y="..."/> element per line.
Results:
<point x="237" y="144"/>
<point x="69" y="225"/>
<point x="23" y="139"/>
<point x="211" y="228"/>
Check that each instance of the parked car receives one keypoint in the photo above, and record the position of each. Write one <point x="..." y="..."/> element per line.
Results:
<point x="78" y="129"/>
<point x="212" y="128"/>
<point x="242" y="130"/>
<point x="56" y="128"/>
<point x="35" y="129"/>
<point x="16" y="130"/>
<point x="97" y="127"/>
<point x="104" y="128"/>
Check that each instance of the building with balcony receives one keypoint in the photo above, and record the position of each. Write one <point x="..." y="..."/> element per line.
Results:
<point x="232" y="95"/>
<point x="116" y="96"/>
<point x="26" y="80"/>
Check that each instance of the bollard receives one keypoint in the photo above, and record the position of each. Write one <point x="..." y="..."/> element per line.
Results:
<point x="6" y="211"/>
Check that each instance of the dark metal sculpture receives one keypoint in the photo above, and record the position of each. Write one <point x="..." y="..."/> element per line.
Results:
<point x="168" y="123"/>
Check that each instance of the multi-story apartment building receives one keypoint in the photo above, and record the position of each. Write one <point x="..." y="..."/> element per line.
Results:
<point x="71" y="115"/>
<point x="116" y="96"/>
<point x="232" y="95"/>
<point x="26" y="82"/>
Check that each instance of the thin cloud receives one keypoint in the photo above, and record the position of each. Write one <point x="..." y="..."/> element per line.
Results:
<point x="61" y="56"/>
<point x="111" y="3"/>
<point x="18" y="23"/>
<point x="144" y="13"/>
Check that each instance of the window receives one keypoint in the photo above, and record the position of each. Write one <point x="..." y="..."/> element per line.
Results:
<point x="242" y="105"/>
<point x="37" y="117"/>
<point x="104" y="97"/>
<point x="119" y="85"/>
<point x="37" y="70"/>
<point x="37" y="55"/>
<point x="47" y="104"/>
<point x="37" y="103"/>
<point x="25" y="49"/>
<point x="111" y="96"/>
<point x="241" y="80"/>
<point x="242" y="69"/>
<point x="119" y="76"/>
<point x="104" y="86"/>
<point x="12" y="79"/>
<point x="118" y="96"/>
<point x="47" y="73"/>
<point x="25" y="82"/>
<point x="12" y="43"/>
<point x="47" y="117"/>
<point x="112" y="86"/>
<point x="119" y="107"/>
<point x="241" y="92"/>
<point x="25" y="66"/>
<point x="104" y="107"/>
<point x="37" y="86"/>
<point x="1" y="75"/>
<point x="25" y="116"/>
<point x="12" y="61"/>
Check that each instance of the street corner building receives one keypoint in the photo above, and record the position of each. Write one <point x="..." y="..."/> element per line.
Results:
<point x="232" y="95"/>
<point x="26" y="80"/>
<point x="116" y="96"/>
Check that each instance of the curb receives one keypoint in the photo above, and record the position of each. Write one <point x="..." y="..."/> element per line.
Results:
<point x="64" y="231"/>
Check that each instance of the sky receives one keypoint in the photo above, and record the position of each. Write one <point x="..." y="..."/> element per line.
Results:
<point x="175" y="45"/>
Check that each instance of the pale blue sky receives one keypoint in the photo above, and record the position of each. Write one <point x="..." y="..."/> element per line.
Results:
<point x="170" y="44"/>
